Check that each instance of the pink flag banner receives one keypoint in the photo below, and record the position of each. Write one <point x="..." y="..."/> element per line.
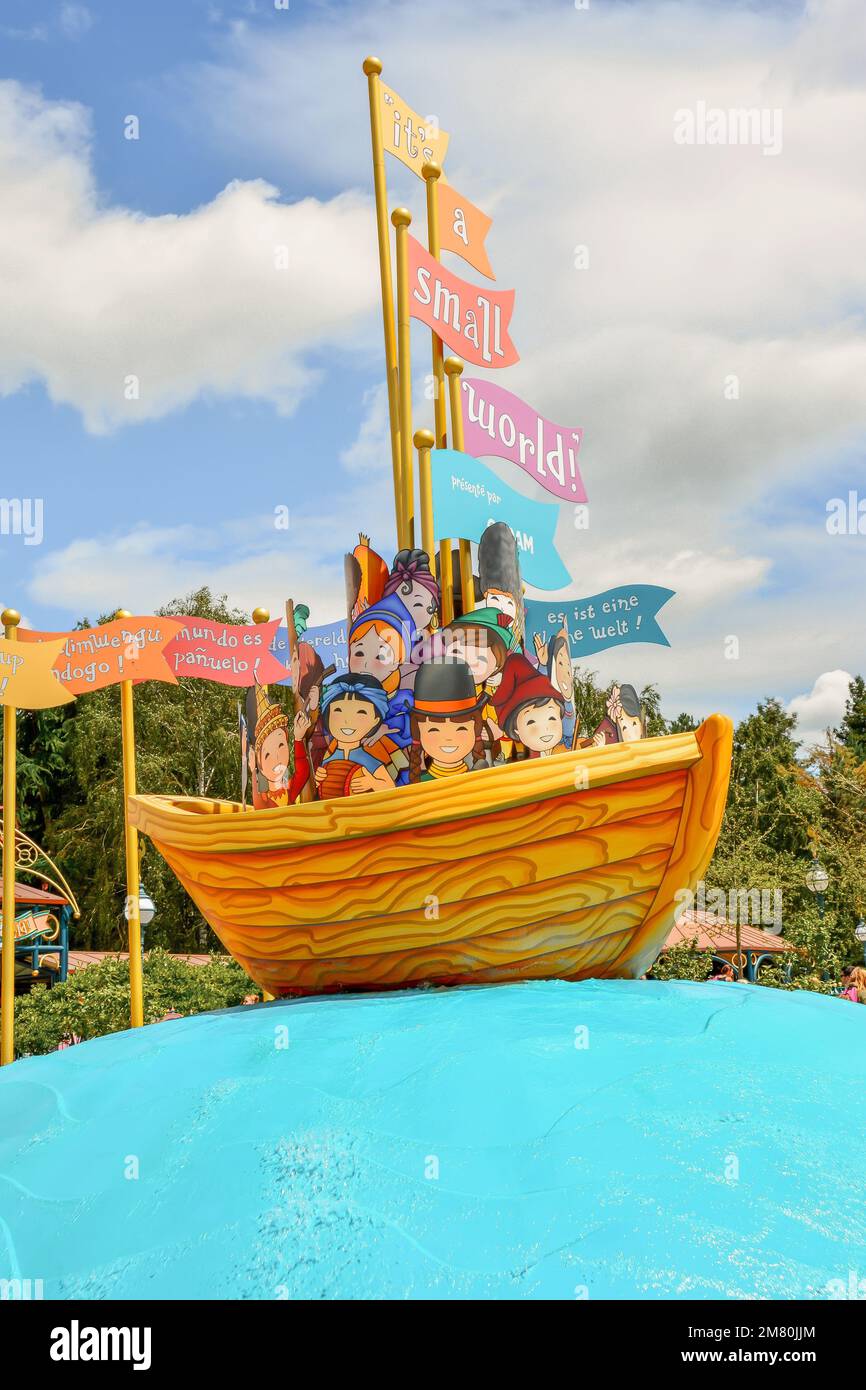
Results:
<point x="498" y="424"/>
<point x="230" y="654"/>
<point x="472" y="320"/>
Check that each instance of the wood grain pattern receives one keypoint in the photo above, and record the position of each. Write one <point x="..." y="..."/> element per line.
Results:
<point x="566" y="867"/>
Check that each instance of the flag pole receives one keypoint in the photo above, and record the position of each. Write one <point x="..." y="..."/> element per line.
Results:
<point x="431" y="172"/>
<point x="130" y="836"/>
<point x="263" y="615"/>
<point x="401" y="218"/>
<point x="453" y="368"/>
<point x="10" y="620"/>
<point x="372" y="68"/>
<point x="306" y="792"/>
<point x="424" y="441"/>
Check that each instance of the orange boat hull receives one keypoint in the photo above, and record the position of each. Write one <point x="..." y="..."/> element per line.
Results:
<point x="568" y="867"/>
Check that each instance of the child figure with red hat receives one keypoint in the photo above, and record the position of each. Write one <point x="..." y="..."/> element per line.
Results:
<point x="529" y="708"/>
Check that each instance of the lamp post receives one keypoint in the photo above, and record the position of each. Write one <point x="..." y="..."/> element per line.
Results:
<point x="860" y="933"/>
<point x="146" y="909"/>
<point x="817" y="880"/>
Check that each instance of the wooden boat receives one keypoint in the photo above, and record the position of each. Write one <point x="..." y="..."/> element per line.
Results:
<point x="565" y="867"/>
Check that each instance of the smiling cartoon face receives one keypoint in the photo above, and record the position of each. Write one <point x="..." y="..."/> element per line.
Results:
<point x="630" y="727"/>
<point x="562" y="676"/>
<point x="273" y="758"/>
<point x="447" y="741"/>
<point x="421" y="605"/>
<point x="473" y="645"/>
<point x="375" y="653"/>
<point x="350" y="721"/>
<point x="539" y="726"/>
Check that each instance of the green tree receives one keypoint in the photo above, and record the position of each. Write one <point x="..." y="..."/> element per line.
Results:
<point x="683" y="724"/>
<point x="852" y="733"/>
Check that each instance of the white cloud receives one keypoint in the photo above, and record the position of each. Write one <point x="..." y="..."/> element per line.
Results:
<point x="75" y="20"/>
<point x="99" y="298"/>
<point x="822" y="708"/>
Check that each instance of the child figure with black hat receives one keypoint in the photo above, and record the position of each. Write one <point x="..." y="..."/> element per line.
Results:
<point x="446" y="722"/>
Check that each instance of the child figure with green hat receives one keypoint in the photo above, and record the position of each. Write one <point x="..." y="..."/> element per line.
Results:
<point x="484" y="638"/>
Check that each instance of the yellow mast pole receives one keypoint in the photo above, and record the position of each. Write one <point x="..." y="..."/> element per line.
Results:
<point x="263" y="615"/>
<point x="372" y="68"/>
<point x="401" y="218"/>
<point x="424" y="441"/>
<point x="306" y="792"/>
<point x="130" y="836"/>
<point x="453" y="368"/>
<point x="10" y="619"/>
<point x="431" y="173"/>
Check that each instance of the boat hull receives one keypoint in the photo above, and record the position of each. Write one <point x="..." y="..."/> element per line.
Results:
<point x="570" y="866"/>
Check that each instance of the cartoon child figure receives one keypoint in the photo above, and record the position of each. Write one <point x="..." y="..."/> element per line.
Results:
<point x="483" y="639"/>
<point x="380" y="643"/>
<point x="269" y="755"/>
<point x="555" y="656"/>
<point x="412" y="581"/>
<point x="308" y="675"/>
<point x="626" y="718"/>
<point x="447" y="723"/>
<point x="353" y="708"/>
<point x="529" y="708"/>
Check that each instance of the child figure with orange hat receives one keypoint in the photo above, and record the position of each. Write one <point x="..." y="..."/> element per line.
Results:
<point x="269" y="754"/>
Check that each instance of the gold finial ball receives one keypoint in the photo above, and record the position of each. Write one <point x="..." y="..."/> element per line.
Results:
<point x="453" y="366"/>
<point x="261" y="615"/>
<point x="10" y="617"/>
<point x="372" y="65"/>
<point x="401" y="217"/>
<point x="123" y="613"/>
<point x="424" y="439"/>
<point x="431" y="170"/>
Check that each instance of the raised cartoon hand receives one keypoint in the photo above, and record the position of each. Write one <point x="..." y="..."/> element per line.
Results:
<point x="302" y="725"/>
<point x="540" y="648"/>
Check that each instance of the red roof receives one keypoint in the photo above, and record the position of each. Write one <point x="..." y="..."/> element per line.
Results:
<point x="715" y="934"/>
<point x="26" y="893"/>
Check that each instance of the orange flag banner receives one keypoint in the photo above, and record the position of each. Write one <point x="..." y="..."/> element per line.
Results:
<point x="414" y="140"/>
<point x="27" y="677"/>
<point x="125" y="649"/>
<point x="463" y="227"/>
<point x="471" y="319"/>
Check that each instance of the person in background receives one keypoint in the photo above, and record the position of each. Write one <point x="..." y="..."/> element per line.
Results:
<point x="854" y="984"/>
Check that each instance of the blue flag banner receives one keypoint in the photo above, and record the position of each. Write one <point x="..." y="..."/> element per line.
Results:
<point x="611" y="619"/>
<point x="468" y="496"/>
<point x="331" y="641"/>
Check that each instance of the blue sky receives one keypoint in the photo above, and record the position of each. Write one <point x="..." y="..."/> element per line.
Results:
<point x="147" y="256"/>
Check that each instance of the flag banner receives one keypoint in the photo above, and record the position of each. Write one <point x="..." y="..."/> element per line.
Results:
<point x="473" y="321"/>
<point x="414" y="140"/>
<point x="612" y="619"/>
<point x="468" y="497"/>
<point x="462" y="228"/>
<point x="330" y="641"/>
<point x="498" y="423"/>
<point x="229" y="654"/>
<point x="31" y="924"/>
<point x="27" y="677"/>
<point x="124" y="649"/>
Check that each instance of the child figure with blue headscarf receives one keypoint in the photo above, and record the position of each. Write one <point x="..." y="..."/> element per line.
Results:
<point x="360" y="758"/>
<point x="380" y="646"/>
